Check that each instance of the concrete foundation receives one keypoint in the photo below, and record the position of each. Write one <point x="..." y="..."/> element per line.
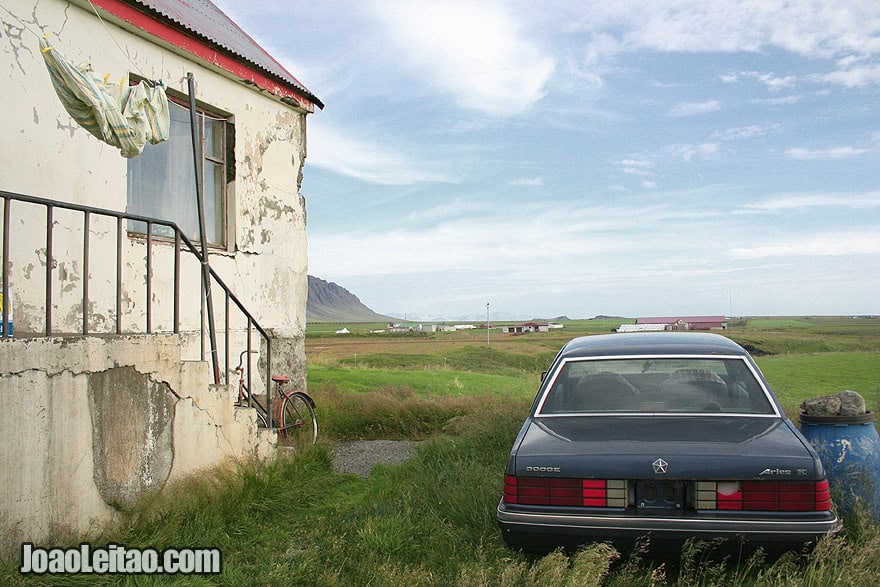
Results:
<point x="91" y="424"/>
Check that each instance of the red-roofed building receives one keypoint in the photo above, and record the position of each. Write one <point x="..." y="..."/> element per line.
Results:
<point x="687" y="322"/>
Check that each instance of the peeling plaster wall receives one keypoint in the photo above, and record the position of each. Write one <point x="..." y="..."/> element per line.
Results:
<point x="266" y="266"/>
<point x="133" y="454"/>
<point x="88" y="425"/>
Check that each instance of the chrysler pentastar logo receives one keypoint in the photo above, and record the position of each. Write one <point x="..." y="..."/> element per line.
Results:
<point x="660" y="466"/>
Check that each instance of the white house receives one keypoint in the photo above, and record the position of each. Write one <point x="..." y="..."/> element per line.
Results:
<point x="83" y="271"/>
<point x="252" y="114"/>
<point x="527" y="327"/>
<point x="641" y="328"/>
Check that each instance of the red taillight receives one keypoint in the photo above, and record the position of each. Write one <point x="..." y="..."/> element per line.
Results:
<point x="775" y="496"/>
<point x="510" y="489"/>
<point x="564" y="492"/>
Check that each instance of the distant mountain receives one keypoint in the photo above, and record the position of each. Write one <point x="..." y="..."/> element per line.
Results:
<point x="329" y="302"/>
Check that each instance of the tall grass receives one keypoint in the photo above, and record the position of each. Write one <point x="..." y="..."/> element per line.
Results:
<point x="390" y="412"/>
<point x="429" y="521"/>
<point x="483" y="359"/>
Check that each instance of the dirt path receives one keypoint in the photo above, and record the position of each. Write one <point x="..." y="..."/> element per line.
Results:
<point x="360" y="456"/>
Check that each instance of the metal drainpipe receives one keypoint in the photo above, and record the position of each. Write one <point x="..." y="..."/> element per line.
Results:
<point x="206" y="271"/>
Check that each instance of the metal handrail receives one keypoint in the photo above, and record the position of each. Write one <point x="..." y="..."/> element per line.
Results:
<point x="180" y="241"/>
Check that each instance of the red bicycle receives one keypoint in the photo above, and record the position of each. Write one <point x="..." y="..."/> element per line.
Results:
<point x="293" y="412"/>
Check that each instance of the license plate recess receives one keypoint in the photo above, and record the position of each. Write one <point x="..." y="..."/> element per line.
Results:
<point x="660" y="495"/>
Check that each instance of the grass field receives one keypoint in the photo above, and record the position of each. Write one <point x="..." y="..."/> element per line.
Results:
<point x="802" y="357"/>
<point x="431" y="521"/>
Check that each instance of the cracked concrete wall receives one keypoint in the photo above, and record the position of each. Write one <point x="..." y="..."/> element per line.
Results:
<point x="266" y="264"/>
<point x="89" y="424"/>
<point x="133" y="445"/>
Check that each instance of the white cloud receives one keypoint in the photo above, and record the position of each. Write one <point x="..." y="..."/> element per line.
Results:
<point x="694" y="108"/>
<point x="449" y="211"/>
<point x="829" y="244"/>
<point x="832" y="153"/>
<point x="688" y="152"/>
<point x="819" y="28"/>
<point x="782" y="101"/>
<point x="809" y="201"/>
<point x="475" y="51"/>
<point x="771" y="80"/>
<point x="745" y="132"/>
<point x="852" y="77"/>
<point x="528" y="182"/>
<point x="369" y="161"/>
<point x="513" y="240"/>
<point x="641" y="167"/>
<point x="636" y="163"/>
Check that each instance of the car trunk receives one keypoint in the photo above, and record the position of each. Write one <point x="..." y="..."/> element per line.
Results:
<point x="664" y="447"/>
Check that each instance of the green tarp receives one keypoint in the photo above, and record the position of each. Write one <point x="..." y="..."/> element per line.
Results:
<point x="121" y="115"/>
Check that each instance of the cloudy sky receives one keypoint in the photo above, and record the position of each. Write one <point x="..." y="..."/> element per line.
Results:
<point x="582" y="158"/>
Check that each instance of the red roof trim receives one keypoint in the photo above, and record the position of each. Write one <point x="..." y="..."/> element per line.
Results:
<point x="200" y="49"/>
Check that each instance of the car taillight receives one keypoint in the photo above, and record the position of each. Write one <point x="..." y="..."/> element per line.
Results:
<point x="776" y="496"/>
<point x="610" y="493"/>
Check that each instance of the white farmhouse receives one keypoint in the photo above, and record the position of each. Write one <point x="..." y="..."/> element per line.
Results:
<point x="75" y="263"/>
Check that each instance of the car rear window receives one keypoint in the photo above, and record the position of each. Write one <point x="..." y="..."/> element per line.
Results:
<point x="655" y="385"/>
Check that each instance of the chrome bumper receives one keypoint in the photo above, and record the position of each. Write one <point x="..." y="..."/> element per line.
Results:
<point x="626" y="526"/>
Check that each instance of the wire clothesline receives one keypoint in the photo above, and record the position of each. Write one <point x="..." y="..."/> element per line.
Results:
<point x="41" y="34"/>
<point x="115" y="42"/>
<point x="137" y="69"/>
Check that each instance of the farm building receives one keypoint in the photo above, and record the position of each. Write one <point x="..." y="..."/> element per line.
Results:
<point x="527" y="327"/>
<point x="399" y="328"/>
<point x="641" y="328"/>
<point x="686" y="322"/>
<point x="145" y="249"/>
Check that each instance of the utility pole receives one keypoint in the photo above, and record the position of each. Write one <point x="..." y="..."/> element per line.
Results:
<point x="487" y="323"/>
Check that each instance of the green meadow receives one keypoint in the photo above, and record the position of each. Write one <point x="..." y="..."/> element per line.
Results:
<point x="430" y="521"/>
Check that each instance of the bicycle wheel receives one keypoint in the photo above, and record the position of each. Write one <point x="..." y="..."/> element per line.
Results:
<point x="298" y="426"/>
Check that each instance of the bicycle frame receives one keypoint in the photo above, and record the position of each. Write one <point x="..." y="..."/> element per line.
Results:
<point x="244" y="396"/>
<point x="278" y="403"/>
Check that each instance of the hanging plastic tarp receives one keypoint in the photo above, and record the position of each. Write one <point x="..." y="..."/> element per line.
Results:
<point x="121" y="115"/>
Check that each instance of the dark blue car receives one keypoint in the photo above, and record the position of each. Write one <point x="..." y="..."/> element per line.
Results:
<point x="670" y="435"/>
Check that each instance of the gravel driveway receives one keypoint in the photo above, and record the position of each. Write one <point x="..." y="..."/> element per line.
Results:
<point x="360" y="456"/>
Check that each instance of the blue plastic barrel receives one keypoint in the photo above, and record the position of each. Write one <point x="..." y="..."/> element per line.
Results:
<point x="849" y="448"/>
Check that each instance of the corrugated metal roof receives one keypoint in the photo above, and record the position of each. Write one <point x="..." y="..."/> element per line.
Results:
<point x="203" y="19"/>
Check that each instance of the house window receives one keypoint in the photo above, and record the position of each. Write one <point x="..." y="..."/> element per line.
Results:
<point x="161" y="180"/>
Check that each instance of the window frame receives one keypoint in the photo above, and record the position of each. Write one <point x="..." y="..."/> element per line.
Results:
<point x="224" y="157"/>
